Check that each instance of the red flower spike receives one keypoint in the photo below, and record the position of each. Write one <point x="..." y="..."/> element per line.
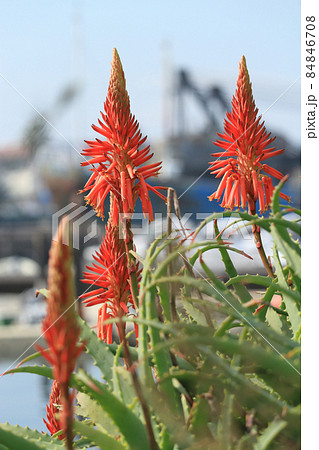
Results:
<point x="110" y="278"/>
<point x="120" y="155"/>
<point x="246" y="144"/>
<point x="53" y="423"/>
<point x="59" y="326"/>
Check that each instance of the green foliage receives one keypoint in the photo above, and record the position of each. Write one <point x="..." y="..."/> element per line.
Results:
<point x="96" y="437"/>
<point x="225" y="375"/>
<point x="101" y="355"/>
<point x="268" y="435"/>
<point x="16" y="438"/>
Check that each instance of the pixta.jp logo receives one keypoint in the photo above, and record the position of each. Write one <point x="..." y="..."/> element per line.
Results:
<point x="79" y="226"/>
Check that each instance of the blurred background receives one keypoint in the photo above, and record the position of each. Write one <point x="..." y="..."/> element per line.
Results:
<point x="181" y="66"/>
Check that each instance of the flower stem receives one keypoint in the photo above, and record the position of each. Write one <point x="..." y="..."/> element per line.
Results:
<point x="259" y="244"/>
<point x="170" y="269"/>
<point x="261" y="251"/>
<point x="131" y="368"/>
<point x="67" y="416"/>
<point x="131" y="262"/>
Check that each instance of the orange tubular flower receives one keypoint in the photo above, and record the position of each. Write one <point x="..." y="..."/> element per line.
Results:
<point x="110" y="274"/>
<point x="119" y="155"/>
<point x="60" y="327"/>
<point x="53" y="423"/>
<point x="245" y="143"/>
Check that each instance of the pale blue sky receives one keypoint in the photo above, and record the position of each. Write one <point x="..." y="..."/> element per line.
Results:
<point x="44" y="45"/>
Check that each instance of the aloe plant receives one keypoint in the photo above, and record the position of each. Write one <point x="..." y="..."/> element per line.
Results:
<point x="212" y="367"/>
<point x="206" y="386"/>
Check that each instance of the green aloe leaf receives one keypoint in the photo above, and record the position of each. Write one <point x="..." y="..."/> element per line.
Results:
<point x="246" y="442"/>
<point x="222" y="215"/>
<point x="199" y="418"/>
<point x="247" y="219"/>
<point x="132" y="429"/>
<point x="164" y="297"/>
<point x="123" y="387"/>
<point x="247" y="279"/>
<point x="87" y="407"/>
<point x="17" y="438"/>
<point x="252" y="354"/>
<point x="269" y="434"/>
<point x="43" y="370"/>
<point x="283" y="241"/>
<point x="289" y="248"/>
<point x="155" y="248"/>
<point x="246" y="392"/>
<point x="193" y="311"/>
<point x="30" y="358"/>
<point x="224" y="428"/>
<point x="217" y="290"/>
<point x="274" y="320"/>
<point x="275" y="201"/>
<point x="207" y="246"/>
<point x="162" y="359"/>
<point x="240" y="289"/>
<point x="222" y="290"/>
<point x="102" y="356"/>
<point x="174" y="429"/>
<point x="291" y="306"/>
<point x="97" y="437"/>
